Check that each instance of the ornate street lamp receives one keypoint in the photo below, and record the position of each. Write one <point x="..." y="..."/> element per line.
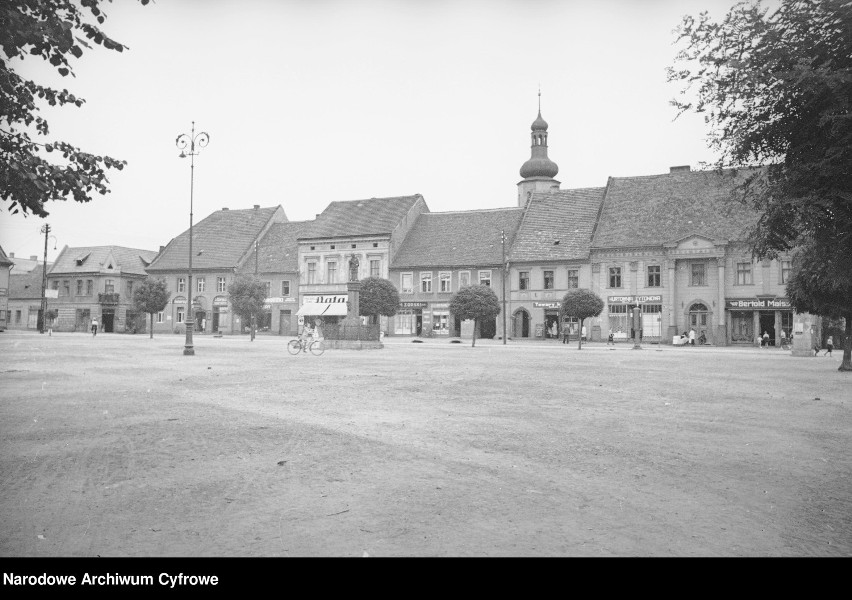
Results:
<point x="194" y="142"/>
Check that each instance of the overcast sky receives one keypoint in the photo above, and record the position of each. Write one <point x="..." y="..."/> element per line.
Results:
<point x="308" y="102"/>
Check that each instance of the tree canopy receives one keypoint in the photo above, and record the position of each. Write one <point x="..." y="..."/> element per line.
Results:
<point x="475" y="302"/>
<point x="775" y="87"/>
<point x="581" y="304"/>
<point x="247" y="296"/>
<point x="151" y="297"/>
<point x="377" y="297"/>
<point x="32" y="172"/>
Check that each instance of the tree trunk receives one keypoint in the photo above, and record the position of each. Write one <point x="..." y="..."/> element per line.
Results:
<point x="846" y="363"/>
<point x="152" y="325"/>
<point x="253" y="324"/>
<point x="580" y="335"/>
<point x="475" y="332"/>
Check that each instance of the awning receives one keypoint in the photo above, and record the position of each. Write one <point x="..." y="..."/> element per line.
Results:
<point x="316" y="309"/>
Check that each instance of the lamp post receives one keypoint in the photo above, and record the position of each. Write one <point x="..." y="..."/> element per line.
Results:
<point x="45" y="229"/>
<point x="195" y="142"/>
<point x="504" y="274"/>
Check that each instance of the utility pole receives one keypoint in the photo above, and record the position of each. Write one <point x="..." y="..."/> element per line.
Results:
<point x="505" y="270"/>
<point x="46" y="230"/>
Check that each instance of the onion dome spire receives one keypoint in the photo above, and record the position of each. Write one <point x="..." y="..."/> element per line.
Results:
<point x="539" y="165"/>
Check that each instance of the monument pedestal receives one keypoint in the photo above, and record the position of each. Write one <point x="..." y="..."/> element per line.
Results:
<point x="806" y="333"/>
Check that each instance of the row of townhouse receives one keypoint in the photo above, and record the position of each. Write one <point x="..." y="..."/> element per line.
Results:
<point x="672" y="245"/>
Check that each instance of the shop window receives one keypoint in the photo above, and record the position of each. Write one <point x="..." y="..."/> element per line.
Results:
<point x="199" y="284"/>
<point x="573" y="278"/>
<point x="312" y="272"/>
<point x="619" y="322"/>
<point x="464" y="279"/>
<point x="786" y="270"/>
<point x="331" y="270"/>
<point x="615" y="277"/>
<point x="548" y="280"/>
<point x="181" y="285"/>
<point x="375" y="268"/>
<point x="220" y="284"/>
<point x="744" y="273"/>
<point x="654" y="276"/>
<point x="426" y="282"/>
<point x="446" y="282"/>
<point x="485" y="278"/>
<point x="523" y="280"/>
<point x="285" y="288"/>
<point x="440" y="323"/>
<point x="699" y="275"/>
<point x="407" y="283"/>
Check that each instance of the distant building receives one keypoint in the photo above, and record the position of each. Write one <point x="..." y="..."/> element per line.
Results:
<point x="24" y="308"/>
<point x="443" y="253"/>
<point x="97" y="282"/>
<point x="5" y="268"/>
<point x="222" y="244"/>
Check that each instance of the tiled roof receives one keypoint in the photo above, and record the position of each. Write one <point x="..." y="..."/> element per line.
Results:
<point x="26" y="285"/>
<point x="362" y="217"/>
<point x="278" y="251"/>
<point x="4" y="260"/>
<point x="129" y="260"/>
<point x="455" y="239"/>
<point x="218" y="241"/>
<point x="655" y="209"/>
<point x="558" y="225"/>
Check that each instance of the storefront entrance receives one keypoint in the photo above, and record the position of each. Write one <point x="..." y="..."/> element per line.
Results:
<point x="767" y="324"/>
<point x="521" y="323"/>
<point x="551" y="324"/>
<point x="698" y="320"/>
<point x="285" y="323"/>
<point x="108" y="319"/>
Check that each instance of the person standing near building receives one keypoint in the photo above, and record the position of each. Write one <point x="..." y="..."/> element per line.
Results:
<point x="692" y="337"/>
<point x="566" y="328"/>
<point x="583" y="333"/>
<point x="764" y="343"/>
<point x="94" y="327"/>
<point x="829" y="346"/>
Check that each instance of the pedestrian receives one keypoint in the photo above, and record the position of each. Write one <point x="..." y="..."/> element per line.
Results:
<point x="764" y="342"/>
<point x="583" y="333"/>
<point x="692" y="336"/>
<point x="611" y="338"/>
<point x="94" y="327"/>
<point x="566" y="328"/>
<point x="816" y="348"/>
<point x="829" y="346"/>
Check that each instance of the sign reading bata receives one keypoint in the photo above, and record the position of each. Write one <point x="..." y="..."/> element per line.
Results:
<point x="326" y="299"/>
<point x="633" y="299"/>
<point x="734" y="303"/>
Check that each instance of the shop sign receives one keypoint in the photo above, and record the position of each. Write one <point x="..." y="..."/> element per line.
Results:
<point x="441" y="305"/>
<point x="325" y="298"/>
<point x="545" y="304"/>
<point x="220" y="302"/>
<point x="276" y="300"/>
<point x="739" y="303"/>
<point x="634" y="299"/>
<point x="412" y="305"/>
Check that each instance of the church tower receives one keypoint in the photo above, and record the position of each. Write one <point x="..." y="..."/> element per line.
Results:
<point x="539" y="171"/>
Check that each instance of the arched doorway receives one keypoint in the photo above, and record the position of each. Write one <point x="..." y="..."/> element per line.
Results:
<point x="521" y="323"/>
<point x="699" y="318"/>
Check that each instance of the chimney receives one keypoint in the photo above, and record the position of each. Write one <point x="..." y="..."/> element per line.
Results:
<point x="161" y="249"/>
<point x="33" y="257"/>
<point x="224" y="208"/>
<point x="680" y="169"/>
<point x="11" y="255"/>
<point x="256" y="206"/>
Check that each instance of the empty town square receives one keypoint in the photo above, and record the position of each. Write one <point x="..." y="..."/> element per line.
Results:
<point x="121" y="446"/>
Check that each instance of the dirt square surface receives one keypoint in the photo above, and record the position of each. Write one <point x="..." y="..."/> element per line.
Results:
<point x="119" y="446"/>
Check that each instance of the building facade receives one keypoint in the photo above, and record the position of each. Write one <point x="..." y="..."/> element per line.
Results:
<point x="97" y="282"/>
<point x="5" y="273"/>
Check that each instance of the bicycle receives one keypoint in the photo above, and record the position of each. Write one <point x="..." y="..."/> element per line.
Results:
<point x="316" y="347"/>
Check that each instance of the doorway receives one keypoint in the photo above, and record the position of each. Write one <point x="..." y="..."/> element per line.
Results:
<point x="767" y="324"/>
<point x="108" y="319"/>
<point x="216" y="319"/>
<point x="418" y="327"/>
<point x="284" y="324"/>
<point x="698" y="319"/>
<point x="522" y="323"/>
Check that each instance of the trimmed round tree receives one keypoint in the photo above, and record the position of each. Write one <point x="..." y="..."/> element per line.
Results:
<point x="151" y="297"/>
<point x="378" y="297"/>
<point x="247" y="295"/>
<point x="581" y="304"/>
<point x="475" y="302"/>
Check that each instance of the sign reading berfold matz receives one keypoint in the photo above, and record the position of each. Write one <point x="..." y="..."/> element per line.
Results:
<point x="734" y="303"/>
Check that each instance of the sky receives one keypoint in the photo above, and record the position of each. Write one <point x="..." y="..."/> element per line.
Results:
<point x="310" y="102"/>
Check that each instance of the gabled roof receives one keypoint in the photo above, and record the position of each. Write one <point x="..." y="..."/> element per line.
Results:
<point x="91" y="259"/>
<point x="26" y="284"/>
<point x="658" y="209"/>
<point x="5" y="261"/>
<point x="557" y="225"/>
<point x="374" y="216"/>
<point x="218" y="241"/>
<point x="457" y="239"/>
<point x="278" y="251"/>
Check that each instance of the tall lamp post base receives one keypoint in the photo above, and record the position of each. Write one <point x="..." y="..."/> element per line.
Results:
<point x="188" y="349"/>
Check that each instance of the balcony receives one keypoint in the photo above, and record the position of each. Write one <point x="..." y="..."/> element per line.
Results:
<point x="109" y="298"/>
